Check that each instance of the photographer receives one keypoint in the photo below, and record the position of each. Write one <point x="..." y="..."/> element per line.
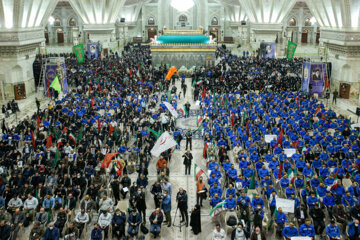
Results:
<point x="181" y="199"/>
<point x="156" y="191"/>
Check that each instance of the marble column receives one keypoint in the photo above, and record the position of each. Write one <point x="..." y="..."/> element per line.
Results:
<point x="17" y="54"/>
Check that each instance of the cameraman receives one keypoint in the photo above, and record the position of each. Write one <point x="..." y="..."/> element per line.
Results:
<point x="181" y="199"/>
<point x="156" y="191"/>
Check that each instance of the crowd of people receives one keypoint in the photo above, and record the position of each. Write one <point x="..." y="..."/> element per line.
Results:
<point x="53" y="178"/>
<point x="311" y="158"/>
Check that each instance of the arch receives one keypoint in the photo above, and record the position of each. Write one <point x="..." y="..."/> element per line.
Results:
<point x="307" y="22"/>
<point x="57" y="22"/>
<point x="292" y="22"/>
<point x="183" y="18"/>
<point x="151" y="21"/>
<point x="214" y="21"/>
<point x="72" y="22"/>
<point x="16" y="73"/>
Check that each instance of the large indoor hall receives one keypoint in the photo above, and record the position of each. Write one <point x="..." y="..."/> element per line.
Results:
<point x="180" y="119"/>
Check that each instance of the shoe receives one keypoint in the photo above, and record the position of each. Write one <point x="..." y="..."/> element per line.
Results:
<point x="186" y="225"/>
<point x="168" y="225"/>
<point x="182" y="221"/>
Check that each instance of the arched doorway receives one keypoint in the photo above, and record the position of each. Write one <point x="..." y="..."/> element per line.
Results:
<point x="318" y="36"/>
<point x="60" y="35"/>
<point x="151" y="33"/>
<point x="214" y="32"/>
<point x="292" y="36"/>
<point x="304" y="36"/>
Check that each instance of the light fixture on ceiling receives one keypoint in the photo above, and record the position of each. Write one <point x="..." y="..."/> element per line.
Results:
<point x="182" y="5"/>
<point x="51" y="20"/>
<point x="312" y="20"/>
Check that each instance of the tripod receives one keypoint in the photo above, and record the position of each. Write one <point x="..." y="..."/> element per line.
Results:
<point x="180" y="223"/>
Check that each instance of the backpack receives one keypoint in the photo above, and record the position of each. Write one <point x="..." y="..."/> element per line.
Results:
<point x="232" y="221"/>
<point x="143" y="228"/>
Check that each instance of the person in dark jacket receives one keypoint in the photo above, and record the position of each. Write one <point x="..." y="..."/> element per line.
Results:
<point x="195" y="219"/>
<point x="96" y="233"/>
<point x="134" y="221"/>
<point x="319" y="219"/>
<point x="301" y="214"/>
<point x="118" y="224"/>
<point x="52" y="233"/>
<point x="256" y="233"/>
<point x="156" y="218"/>
<point x="5" y="230"/>
<point x="125" y="182"/>
<point x="187" y="161"/>
<point x="239" y="233"/>
<point x="182" y="201"/>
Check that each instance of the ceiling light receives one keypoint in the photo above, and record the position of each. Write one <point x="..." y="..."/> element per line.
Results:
<point x="182" y="5"/>
<point x="51" y="20"/>
<point x="312" y="20"/>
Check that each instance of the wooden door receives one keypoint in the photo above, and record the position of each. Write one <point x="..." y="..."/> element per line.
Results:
<point x="46" y="37"/>
<point x="317" y="36"/>
<point x="60" y="36"/>
<point x="151" y="33"/>
<point x="304" y="36"/>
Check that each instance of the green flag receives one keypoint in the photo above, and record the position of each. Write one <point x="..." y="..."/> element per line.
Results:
<point x="56" y="85"/>
<point x="252" y="183"/>
<point x="291" y="50"/>
<point x="156" y="134"/>
<point x="79" y="51"/>
<point x="275" y="215"/>
<point x="217" y="209"/>
<point x="57" y="157"/>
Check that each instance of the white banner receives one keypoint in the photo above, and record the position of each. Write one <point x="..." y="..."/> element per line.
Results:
<point x="356" y="125"/>
<point x="171" y="109"/>
<point x="300" y="238"/>
<point x="286" y="205"/>
<point x="269" y="138"/>
<point x="164" y="142"/>
<point x="289" y="151"/>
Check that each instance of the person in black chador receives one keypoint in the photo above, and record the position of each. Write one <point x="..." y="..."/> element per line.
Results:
<point x="195" y="219"/>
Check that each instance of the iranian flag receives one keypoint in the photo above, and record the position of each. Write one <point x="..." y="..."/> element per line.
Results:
<point x="163" y="143"/>
<point x="317" y="110"/>
<point x="118" y="167"/>
<point x="217" y="209"/>
<point x="111" y="129"/>
<point x="292" y="175"/>
<point x="171" y="109"/>
<point x="59" y="142"/>
<point x="183" y="110"/>
<point x="205" y="149"/>
<point x="72" y="138"/>
<point x="199" y="120"/>
<point x="197" y="172"/>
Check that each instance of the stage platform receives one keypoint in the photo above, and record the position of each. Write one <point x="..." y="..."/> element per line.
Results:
<point x="183" y="49"/>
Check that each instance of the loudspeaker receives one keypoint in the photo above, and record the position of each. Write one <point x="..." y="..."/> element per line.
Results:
<point x="243" y="22"/>
<point x="122" y="19"/>
<point x="358" y="111"/>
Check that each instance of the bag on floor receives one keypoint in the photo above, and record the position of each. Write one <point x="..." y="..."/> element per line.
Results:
<point x="144" y="230"/>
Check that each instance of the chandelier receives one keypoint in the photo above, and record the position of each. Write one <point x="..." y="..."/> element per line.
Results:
<point x="182" y="5"/>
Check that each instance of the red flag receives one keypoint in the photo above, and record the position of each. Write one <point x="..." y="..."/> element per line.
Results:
<point x="203" y="94"/>
<point x="323" y="116"/>
<point x="205" y="149"/>
<point x="111" y="129"/>
<point x="280" y="171"/>
<point x="131" y="72"/>
<point x="99" y="124"/>
<point x="295" y="144"/>
<point x="49" y="142"/>
<point x="107" y="159"/>
<point x="64" y="130"/>
<point x="280" y="136"/>
<point x="247" y="127"/>
<point x="92" y="102"/>
<point x="317" y="111"/>
<point x="99" y="87"/>
<point x="233" y="119"/>
<point x="32" y="139"/>
<point x="90" y="88"/>
<point x="38" y="121"/>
